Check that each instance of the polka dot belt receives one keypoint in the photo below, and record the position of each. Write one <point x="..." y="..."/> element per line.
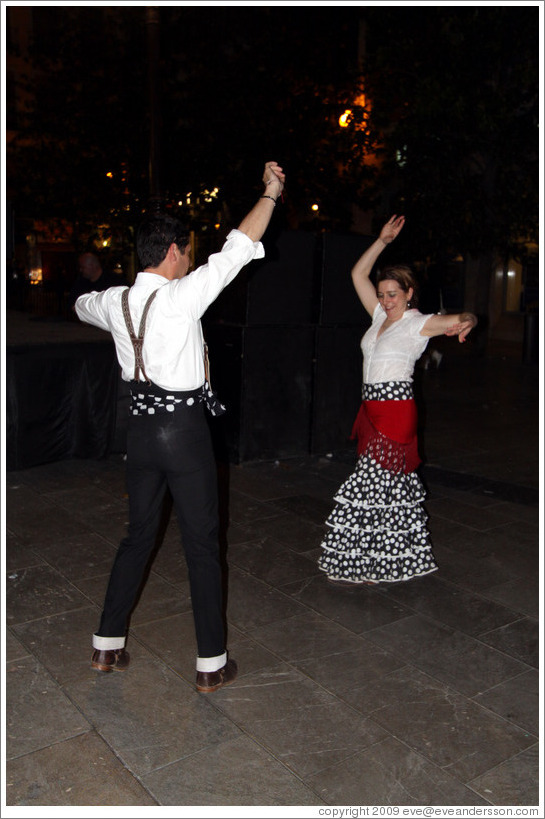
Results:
<point x="149" y="399"/>
<point x="388" y="391"/>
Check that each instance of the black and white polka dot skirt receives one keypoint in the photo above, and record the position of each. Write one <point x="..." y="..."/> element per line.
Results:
<point x="377" y="530"/>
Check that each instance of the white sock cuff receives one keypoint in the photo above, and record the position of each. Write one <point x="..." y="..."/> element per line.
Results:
<point x="107" y="643"/>
<point x="210" y="664"/>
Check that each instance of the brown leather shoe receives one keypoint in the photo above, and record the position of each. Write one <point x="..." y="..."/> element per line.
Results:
<point x="112" y="660"/>
<point x="208" y="681"/>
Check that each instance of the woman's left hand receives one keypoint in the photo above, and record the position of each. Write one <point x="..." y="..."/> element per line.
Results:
<point x="462" y="328"/>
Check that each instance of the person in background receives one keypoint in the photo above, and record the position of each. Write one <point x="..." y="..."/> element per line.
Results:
<point x="377" y="528"/>
<point x="168" y="441"/>
<point x="92" y="278"/>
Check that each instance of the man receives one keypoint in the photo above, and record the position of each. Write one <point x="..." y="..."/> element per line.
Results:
<point x="168" y="440"/>
<point x="92" y="277"/>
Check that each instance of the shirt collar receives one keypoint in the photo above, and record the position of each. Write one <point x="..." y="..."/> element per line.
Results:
<point x="146" y="279"/>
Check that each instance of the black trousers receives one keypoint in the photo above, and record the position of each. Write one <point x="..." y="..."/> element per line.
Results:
<point x="174" y="450"/>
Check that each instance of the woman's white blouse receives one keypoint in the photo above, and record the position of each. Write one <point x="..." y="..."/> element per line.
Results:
<point x="392" y="356"/>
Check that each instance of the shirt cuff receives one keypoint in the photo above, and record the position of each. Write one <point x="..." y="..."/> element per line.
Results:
<point x="241" y="238"/>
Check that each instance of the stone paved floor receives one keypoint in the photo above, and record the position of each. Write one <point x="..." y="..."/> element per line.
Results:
<point x="420" y="693"/>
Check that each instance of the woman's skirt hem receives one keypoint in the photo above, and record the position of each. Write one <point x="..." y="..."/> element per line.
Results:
<point x="380" y="579"/>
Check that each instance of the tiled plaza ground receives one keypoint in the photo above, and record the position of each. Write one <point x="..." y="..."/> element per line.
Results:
<point x="420" y="693"/>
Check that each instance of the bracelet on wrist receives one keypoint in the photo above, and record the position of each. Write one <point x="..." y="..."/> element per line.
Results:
<point x="266" y="196"/>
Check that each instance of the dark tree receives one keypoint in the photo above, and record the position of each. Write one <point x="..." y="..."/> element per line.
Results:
<point x="455" y="120"/>
<point x="448" y="134"/>
<point x="235" y="87"/>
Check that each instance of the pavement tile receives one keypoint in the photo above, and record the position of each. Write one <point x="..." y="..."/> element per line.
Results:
<point x="252" y="603"/>
<point x="390" y="773"/>
<point x="15" y="650"/>
<point x="459" y="538"/>
<point x="425" y="692"/>
<point x="449" y="604"/>
<point x="345" y="671"/>
<point x="79" y="557"/>
<point x="510" y="551"/>
<point x="47" y="523"/>
<point x="291" y="530"/>
<point x="507" y="464"/>
<point x="305" y="636"/>
<point x="271" y="561"/>
<point x="149" y="714"/>
<point x="19" y="555"/>
<point x="39" y="591"/>
<point x="461" y="512"/>
<point x="516" y="700"/>
<point x="112" y="527"/>
<point x="513" y="782"/>
<point x="359" y="609"/>
<point x="78" y="771"/>
<point x="520" y="595"/>
<point x="43" y="478"/>
<point x="303" y="726"/>
<point x="62" y="643"/>
<point x="244" y="509"/>
<point x="19" y="498"/>
<point x="306" y="506"/>
<point x="525" y="513"/>
<point x="77" y="472"/>
<point x="38" y="713"/>
<point x="517" y="532"/>
<point x="456" y="659"/>
<point x="158" y="598"/>
<point x="474" y="573"/>
<point x="519" y="639"/>
<point x="237" y="772"/>
<point x="90" y="501"/>
<point x="173" y="641"/>
<point x="462" y="738"/>
<point x="263" y="481"/>
<point x="476" y="499"/>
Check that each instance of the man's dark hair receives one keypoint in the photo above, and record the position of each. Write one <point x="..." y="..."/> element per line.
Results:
<point x="155" y="235"/>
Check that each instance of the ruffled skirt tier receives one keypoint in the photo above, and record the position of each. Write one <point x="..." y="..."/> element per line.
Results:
<point x="377" y="529"/>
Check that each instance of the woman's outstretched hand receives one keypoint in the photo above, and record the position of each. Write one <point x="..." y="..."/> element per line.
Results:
<point x="391" y="229"/>
<point x="462" y="328"/>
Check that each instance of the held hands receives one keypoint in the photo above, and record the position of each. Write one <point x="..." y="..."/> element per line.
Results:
<point x="273" y="179"/>
<point x="463" y="327"/>
<point x="391" y="229"/>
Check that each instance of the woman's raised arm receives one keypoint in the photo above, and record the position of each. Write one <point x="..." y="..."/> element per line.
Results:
<point x="361" y="271"/>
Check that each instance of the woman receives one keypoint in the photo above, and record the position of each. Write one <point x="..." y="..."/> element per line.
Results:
<point x="378" y="525"/>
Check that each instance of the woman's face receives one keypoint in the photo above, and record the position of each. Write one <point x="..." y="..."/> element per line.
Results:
<point x="393" y="299"/>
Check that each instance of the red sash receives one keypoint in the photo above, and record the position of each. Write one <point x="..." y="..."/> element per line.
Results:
<point x="386" y="431"/>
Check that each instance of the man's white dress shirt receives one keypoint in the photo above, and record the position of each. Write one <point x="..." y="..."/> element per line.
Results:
<point x="392" y="356"/>
<point x="173" y="340"/>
